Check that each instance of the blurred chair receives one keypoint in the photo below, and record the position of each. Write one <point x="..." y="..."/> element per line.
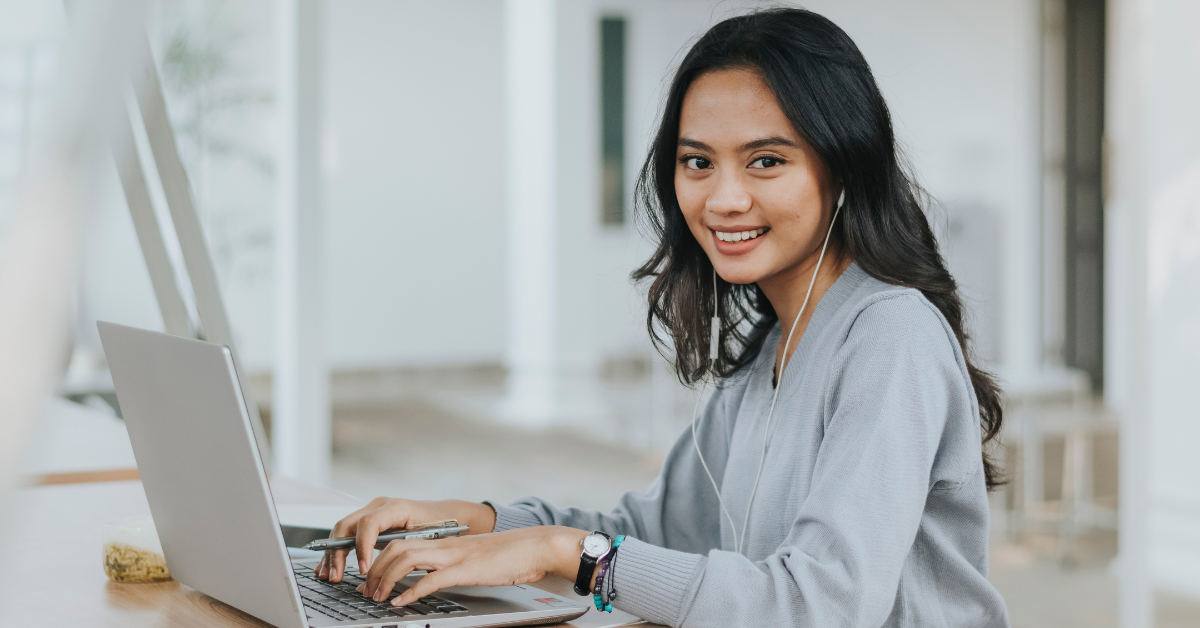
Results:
<point x="1055" y="405"/>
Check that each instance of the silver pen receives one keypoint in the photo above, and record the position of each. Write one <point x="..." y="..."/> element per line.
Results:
<point x="384" y="539"/>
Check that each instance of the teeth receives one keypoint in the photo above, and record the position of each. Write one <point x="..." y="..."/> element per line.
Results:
<point x="738" y="236"/>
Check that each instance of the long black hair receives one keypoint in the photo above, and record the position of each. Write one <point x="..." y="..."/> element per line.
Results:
<point x="825" y="88"/>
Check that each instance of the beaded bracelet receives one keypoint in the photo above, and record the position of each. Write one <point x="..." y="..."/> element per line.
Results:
<point x="599" y="593"/>
<point x="601" y="571"/>
<point x="612" y="579"/>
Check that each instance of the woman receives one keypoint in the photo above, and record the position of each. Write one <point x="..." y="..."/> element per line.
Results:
<point x="854" y="492"/>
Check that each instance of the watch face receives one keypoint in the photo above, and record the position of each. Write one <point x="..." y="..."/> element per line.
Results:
<point x="595" y="544"/>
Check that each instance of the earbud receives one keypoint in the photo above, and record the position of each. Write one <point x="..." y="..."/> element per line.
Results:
<point x="841" y="199"/>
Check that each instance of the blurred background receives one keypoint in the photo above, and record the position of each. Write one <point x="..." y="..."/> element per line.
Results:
<point x="419" y="217"/>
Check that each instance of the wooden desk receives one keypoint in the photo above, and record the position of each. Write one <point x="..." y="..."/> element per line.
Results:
<point x="52" y="573"/>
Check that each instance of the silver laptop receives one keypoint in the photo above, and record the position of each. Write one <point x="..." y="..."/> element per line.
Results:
<point x="212" y="506"/>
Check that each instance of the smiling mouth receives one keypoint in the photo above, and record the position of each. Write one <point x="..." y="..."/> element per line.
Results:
<point x="739" y="236"/>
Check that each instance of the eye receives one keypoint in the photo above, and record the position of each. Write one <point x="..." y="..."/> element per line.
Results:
<point x="697" y="163"/>
<point x="763" y="163"/>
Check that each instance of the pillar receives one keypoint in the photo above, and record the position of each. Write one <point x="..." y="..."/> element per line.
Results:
<point x="300" y="409"/>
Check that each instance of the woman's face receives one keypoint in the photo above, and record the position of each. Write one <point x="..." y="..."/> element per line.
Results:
<point x="754" y="193"/>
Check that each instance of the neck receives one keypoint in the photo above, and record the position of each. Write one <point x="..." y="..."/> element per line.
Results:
<point x="786" y="293"/>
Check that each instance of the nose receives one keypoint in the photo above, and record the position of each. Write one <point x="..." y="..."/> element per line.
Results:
<point x="729" y="196"/>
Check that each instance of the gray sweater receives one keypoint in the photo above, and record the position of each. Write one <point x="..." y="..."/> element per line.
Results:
<point x="871" y="511"/>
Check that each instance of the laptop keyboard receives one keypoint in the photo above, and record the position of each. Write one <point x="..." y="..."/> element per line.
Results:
<point x="340" y="600"/>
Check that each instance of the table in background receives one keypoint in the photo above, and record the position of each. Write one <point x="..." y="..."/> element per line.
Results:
<point x="53" y="577"/>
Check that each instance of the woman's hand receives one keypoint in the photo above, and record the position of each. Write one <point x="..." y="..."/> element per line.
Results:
<point x="517" y="556"/>
<point x="386" y="513"/>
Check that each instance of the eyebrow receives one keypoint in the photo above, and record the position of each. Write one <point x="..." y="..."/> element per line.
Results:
<point x="697" y="144"/>
<point x="774" y="140"/>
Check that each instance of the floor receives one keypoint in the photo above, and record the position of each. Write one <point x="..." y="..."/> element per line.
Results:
<point x="429" y="436"/>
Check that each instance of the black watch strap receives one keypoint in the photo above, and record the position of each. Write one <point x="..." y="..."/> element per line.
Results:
<point x="583" y="582"/>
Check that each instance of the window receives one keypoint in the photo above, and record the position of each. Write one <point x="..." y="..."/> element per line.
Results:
<point x="612" y="120"/>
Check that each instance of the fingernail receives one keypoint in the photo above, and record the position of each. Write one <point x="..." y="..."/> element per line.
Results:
<point x="360" y="587"/>
<point x="362" y="566"/>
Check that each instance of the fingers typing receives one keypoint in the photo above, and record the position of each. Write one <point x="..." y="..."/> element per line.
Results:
<point x="430" y="584"/>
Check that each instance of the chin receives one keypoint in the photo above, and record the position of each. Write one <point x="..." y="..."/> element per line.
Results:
<point x="739" y="276"/>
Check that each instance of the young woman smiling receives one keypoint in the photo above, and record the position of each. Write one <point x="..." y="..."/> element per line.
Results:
<point x="837" y="475"/>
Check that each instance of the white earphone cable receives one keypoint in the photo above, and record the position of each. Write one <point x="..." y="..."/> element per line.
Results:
<point x="739" y="540"/>
<point x="713" y="346"/>
<point x="696" y="443"/>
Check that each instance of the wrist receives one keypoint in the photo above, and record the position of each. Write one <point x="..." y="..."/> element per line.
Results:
<point x="480" y="518"/>
<point x="567" y="546"/>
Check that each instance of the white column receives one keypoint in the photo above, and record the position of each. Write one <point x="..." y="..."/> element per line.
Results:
<point x="530" y="198"/>
<point x="1021" y="282"/>
<point x="1125" y="298"/>
<point x="300" y="413"/>
<point x="1154" y="213"/>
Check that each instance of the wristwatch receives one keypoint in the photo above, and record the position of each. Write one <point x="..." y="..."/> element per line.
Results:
<point x="596" y="545"/>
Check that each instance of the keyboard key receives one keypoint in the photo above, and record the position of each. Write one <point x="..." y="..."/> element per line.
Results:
<point x="401" y="611"/>
<point x="324" y="611"/>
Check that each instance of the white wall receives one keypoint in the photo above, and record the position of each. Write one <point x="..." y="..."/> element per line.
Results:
<point x="415" y="197"/>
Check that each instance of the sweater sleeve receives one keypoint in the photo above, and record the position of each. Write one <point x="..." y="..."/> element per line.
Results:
<point x="894" y="383"/>
<point x="679" y="509"/>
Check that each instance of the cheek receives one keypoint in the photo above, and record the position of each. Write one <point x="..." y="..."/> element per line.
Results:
<point x="796" y="206"/>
